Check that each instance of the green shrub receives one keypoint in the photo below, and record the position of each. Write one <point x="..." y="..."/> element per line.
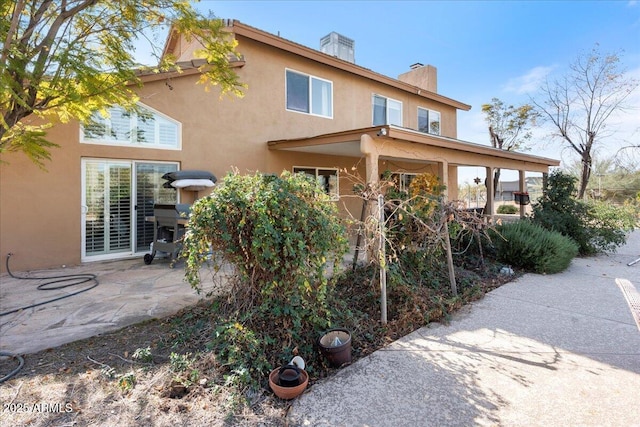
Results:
<point x="508" y="209"/>
<point x="609" y="224"/>
<point x="594" y="226"/>
<point x="531" y="247"/>
<point x="280" y="234"/>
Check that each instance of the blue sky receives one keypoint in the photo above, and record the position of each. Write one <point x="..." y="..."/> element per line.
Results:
<point x="482" y="49"/>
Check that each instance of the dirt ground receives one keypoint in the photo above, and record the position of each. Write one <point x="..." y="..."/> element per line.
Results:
<point x="159" y="373"/>
<point x="86" y="383"/>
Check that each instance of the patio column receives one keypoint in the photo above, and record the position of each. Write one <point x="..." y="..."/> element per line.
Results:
<point x="522" y="189"/>
<point x="489" y="210"/>
<point x="369" y="149"/>
<point x="443" y="172"/>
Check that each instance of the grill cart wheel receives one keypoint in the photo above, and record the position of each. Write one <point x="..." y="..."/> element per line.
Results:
<point x="148" y="259"/>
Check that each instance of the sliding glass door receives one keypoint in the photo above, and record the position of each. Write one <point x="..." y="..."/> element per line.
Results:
<point x="116" y="197"/>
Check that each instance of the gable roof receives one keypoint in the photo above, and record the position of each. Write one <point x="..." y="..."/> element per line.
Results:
<point x="239" y="29"/>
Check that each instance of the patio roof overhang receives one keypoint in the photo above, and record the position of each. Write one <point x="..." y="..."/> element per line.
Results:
<point x="392" y="142"/>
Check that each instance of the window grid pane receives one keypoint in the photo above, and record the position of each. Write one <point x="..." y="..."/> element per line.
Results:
<point x="120" y="125"/>
<point x="146" y="131"/>
<point x="144" y="128"/>
<point x="434" y="122"/>
<point x="297" y="92"/>
<point x="423" y="120"/>
<point x="321" y="97"/>
<point x="326" y="178"/>
<point x="379" y="110"/>
<point x="395" y="112"/>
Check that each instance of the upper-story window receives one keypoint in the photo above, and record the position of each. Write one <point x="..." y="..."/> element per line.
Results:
<point x="386" y="111"/>
<point x="428" y="121"/>
<point x="144" y="128"/>
<point x="309" y="94"/>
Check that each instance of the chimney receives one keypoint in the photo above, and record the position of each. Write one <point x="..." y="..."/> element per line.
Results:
<point x="337" y="45"/>
<point x="422" y="76"/>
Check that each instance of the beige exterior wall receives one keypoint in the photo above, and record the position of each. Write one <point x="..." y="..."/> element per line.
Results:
<point x="40" y="211"/>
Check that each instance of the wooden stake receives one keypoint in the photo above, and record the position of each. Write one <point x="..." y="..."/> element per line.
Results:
<point x="382" y="257"/>
<point x="452" y="273"/>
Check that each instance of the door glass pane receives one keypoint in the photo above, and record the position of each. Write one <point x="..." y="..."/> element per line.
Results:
<point x="149" y="191"/>
<point x="107" y="197"/>
<point x="119" y="210"/>
<point x="94" y="201"/>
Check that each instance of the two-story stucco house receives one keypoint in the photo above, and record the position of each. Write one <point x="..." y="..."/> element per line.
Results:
<point x="303" y="110"/>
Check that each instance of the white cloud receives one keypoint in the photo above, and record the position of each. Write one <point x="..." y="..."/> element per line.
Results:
<point x="529" y="82"/>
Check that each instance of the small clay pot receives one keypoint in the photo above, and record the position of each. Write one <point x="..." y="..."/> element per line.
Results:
<point x="287" y="393"/>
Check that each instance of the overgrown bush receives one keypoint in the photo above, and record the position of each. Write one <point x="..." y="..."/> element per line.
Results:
<point x="507" y="209"/>
<point x="529" y="246"/>
<point x="279" y="233"/>
<point x="593" y="226"/>
<point x="609" y="223"/>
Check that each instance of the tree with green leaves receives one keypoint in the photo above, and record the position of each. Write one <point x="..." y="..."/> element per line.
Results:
<point x="595" y="226"/>
<point x="581" y="105"/>
<point x="509" y="128"/>
<point x="62" y="60"/>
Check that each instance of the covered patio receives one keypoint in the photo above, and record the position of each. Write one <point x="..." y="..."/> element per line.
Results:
<point x="380" y="143"/>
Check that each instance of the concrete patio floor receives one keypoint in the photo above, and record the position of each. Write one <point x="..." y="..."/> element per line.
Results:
<point x="128" y="292"/>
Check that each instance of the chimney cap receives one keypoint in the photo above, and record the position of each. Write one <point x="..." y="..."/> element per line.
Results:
<point x="416" y="65"/>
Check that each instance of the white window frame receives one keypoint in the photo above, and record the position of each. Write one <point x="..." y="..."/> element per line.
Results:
<point x="387" y="109"/>
<point x="429" y="113"/>
<point x="133" y="252"/>
<point x="311" y="78"/>
<point x="335" y="195"/>
<point x="133" y="125"/>
<point x="402" y="185"/>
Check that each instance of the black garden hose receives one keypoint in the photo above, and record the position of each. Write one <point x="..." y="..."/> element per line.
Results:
<point x="68" y="279"/>
<point x="16" y="370"/>
<point x="74" y="279"/>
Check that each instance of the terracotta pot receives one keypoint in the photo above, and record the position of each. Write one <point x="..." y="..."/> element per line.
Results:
<point x="287" y="392"/>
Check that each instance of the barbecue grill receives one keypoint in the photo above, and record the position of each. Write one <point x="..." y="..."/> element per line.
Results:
<point x="169" y="228"/>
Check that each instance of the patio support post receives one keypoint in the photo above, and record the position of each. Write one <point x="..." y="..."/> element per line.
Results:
<point x="521" y="182"/>
<point x="443" y="172"/>
<point x="368" y="148"/>
<point x="489" y="210"/>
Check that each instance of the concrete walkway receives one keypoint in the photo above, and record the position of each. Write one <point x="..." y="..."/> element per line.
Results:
<point x="558" y="350"/>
